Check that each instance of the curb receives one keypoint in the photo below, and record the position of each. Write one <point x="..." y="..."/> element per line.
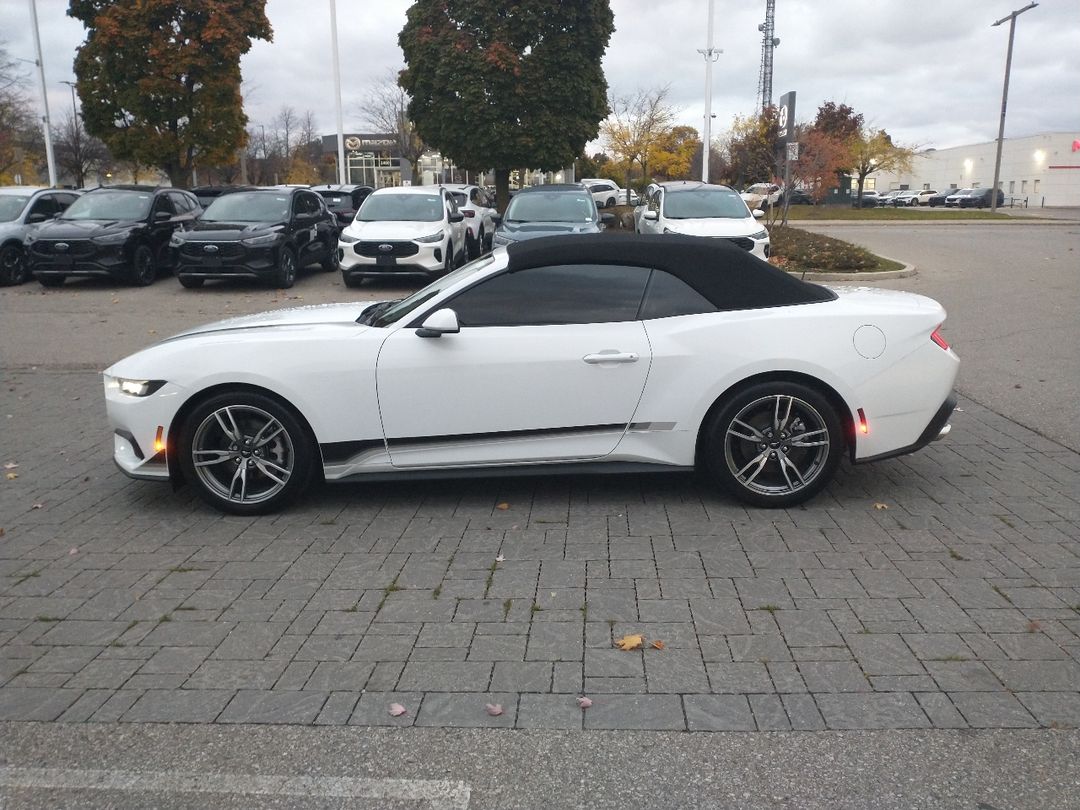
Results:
<point x="883" y="275"/>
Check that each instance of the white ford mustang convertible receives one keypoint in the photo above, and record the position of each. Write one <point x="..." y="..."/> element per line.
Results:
<point x="577" y="353"/>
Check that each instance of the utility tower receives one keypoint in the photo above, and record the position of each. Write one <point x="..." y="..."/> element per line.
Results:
<point x="768" y="42"/>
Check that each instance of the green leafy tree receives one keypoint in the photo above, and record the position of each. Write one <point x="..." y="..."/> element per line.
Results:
<point x="751" y="149"/>
<point x="159" y="80"/>
<point x="497" y="85"/>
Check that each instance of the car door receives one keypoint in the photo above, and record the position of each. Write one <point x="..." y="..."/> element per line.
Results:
<point x="303" y="228"/>
<point x="652" y="208"/>
<point x="549" y="365"/>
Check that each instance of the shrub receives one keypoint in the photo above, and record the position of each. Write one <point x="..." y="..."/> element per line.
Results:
<point x="796" y="249"/>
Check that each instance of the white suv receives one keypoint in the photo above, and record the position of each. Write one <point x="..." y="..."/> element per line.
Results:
<point x="606" y="193"/>
<point x="413" y="230"/>
<point x="703" y="209"/>
<point x="478" y="208"/>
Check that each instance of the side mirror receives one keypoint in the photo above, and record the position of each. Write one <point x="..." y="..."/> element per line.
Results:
<point x="652" y="216"/>
<point x="457" y="216"/>
<point x="33" y="219"/>
<point x="162" y="216"/>
<point x="607" y="217"/>
<point x="758" y="213"/>
<point x="438" y="323"/>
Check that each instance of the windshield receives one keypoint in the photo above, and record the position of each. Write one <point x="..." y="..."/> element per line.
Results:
<point x="402" y="208"/>
<point x="389" y="312"/>
<point x="255" y="206"/>
<point x="11" y="206"/>
<point x="122" y="205"/>
<point x="704" y="204"/>
<point x="551" y="206"/>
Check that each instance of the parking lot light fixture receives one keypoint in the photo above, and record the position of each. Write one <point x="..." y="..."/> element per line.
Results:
<point x="1005" y="97"/>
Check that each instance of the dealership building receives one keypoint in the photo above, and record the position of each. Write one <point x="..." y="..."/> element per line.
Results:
<point x="375" y="160"/>
<point x="1037" y="171"/>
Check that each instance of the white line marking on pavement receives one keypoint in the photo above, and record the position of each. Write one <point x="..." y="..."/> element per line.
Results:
<point x="440" y="795"/>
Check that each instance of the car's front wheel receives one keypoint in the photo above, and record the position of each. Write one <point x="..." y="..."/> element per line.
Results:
<point x="143" y="266"/>
<point x="774" y="444"/>
<point x="329" y="262"/>
<point x="245" y="453"/>
<point x="13" y="268"/>
<point x="285" y="274"/>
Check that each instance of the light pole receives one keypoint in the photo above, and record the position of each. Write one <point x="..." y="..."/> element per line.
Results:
<point x="44" y="95"/>
<point x="1004" y="98"/>
<point x="711" y="54"/>
<point x="337" y="92"/>
<point x="76" y="137"/>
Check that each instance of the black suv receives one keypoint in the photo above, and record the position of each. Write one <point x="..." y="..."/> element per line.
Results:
<point x="266" y="234"/>
<point x="344" y="201"/>
<point x="116" y="231"/>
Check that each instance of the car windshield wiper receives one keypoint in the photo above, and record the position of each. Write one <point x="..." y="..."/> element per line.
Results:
<point x="368" y="316"/>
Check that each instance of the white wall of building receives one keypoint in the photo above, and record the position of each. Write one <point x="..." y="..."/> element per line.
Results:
<point x="1043" y="168"/>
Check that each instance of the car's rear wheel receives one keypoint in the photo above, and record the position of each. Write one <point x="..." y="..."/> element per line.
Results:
<point x="285" y="274"/>
<point x="143" y="267"/>
<point x="774" y="444"/>
<point x="13" y="268"/>
<point x="330" y="261"/>
<point x="191" y="282"/>
<point x="610" y="202"/>
<point x="245" y="453"/>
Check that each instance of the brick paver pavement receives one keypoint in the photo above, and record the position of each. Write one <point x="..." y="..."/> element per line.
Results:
<point x="938" y="590"/>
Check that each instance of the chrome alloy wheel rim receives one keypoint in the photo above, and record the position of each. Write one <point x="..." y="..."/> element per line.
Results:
<point x="776" y="445"/>
<point x="243" y="454"/>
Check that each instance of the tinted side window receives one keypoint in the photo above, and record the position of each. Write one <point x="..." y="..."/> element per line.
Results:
<point x="45" y="205"/>
<point x="562" y="294"/>
<point x="179" y="202"/>
<point x="668" y="296"/>
<point x="64" y="200"/>
<point x="162" y="203"/>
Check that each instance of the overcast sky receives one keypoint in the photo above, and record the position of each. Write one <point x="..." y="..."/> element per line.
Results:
<point x="928" y="71"/>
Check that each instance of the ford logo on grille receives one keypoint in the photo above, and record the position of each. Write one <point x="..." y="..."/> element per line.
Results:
<point x="61" y="246"/>
<point x="385" y="248"/>
<point x="210" y="248"/>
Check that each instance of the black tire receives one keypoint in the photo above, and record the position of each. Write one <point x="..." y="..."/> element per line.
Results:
<point x="472" y="246"/>
<point x="285" y="273"/>
<point x="750" y="444"/>
<point x="280" y="467"/>
<point x="352" y="282"/>
<point x="13" y="269"/>
<point x="330" y="261"/>
<point x="51" y="281"/>
<point x="143" y="267"/>
<point x="191" y="282"/>
<point x="610" y="202"/>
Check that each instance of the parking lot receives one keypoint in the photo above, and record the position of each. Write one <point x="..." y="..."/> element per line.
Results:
<point x="935" y="591"/>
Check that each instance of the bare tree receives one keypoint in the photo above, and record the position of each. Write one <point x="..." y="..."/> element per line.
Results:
<point x="78" y="153"/>
<point x="386" y="112"/>
<point x="635" y="125"/>
<point x="21" y="140"/>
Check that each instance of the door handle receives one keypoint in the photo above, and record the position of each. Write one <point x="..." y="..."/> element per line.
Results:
<point x="611" y="356"/>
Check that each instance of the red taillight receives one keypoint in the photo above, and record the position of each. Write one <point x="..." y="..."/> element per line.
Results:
<point x="469" y="213"/>
<point x="938" y="339"/>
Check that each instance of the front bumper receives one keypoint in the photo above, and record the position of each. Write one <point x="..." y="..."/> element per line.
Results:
<point x="135" y="422"/>
<point x="235" y="262"/>
<point x="109" y="261"/>
<point x="427" y="260"/>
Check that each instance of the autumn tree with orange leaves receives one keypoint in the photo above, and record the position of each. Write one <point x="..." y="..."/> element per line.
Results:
<point x="507" y="85"/>
<point x="159" y="80"/>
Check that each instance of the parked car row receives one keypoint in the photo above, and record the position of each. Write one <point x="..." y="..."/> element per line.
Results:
<point x="950" y="198"/>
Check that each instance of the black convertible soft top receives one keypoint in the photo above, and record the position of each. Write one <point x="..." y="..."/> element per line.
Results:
<point x="727" y="275"/>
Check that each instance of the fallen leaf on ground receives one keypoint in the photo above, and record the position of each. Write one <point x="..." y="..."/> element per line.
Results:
<point x="632" y="642"/>
<point x="12" y="476"/>
<point x="494" y="709"/>
<point x="73" y="551"/>
<point x="502" y="506"/>
<point x="584" y="702"/>
<point x="881" y="506"/>
<point x="1" y="532"/>
<point x="657" y="645"/>
<point x="396" y="710"/>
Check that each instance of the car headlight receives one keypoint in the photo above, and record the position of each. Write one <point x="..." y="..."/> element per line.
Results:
<point x="133" y="388"/>
<point x="435" y="237"/>
<point x="762" y="234"/>
<point x="262" y="240"/>
<point x="348" y="240"/>
<point x="111" y="238"/>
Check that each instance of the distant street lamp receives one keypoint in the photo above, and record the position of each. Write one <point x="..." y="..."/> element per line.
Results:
<point x="76" y="136"/>
<point x="711" y="54"/>
<point x="49" y="159"/>
<point x="1004" y="98"/>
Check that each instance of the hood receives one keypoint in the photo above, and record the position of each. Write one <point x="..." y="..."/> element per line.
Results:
<point x="715" y="226"/>
<point x="14" y="228"/>
<point x="519" y="231"/>
<point x="312" y="315"/>
<point x="391" y="230"/>
<point x="82" y="228"/>
<point x="226" y="231"/>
